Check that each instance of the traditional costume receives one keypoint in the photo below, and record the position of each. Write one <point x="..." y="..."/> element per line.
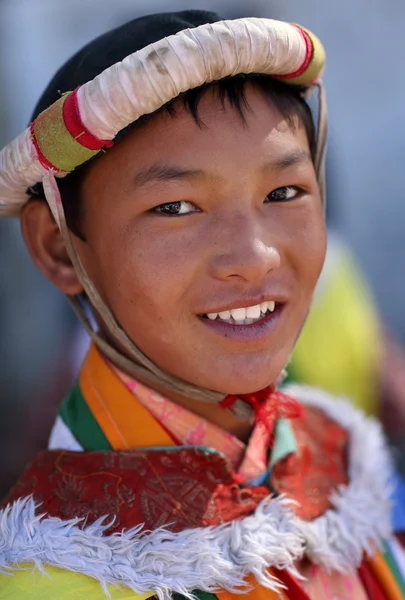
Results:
<point x="137" y="496"/>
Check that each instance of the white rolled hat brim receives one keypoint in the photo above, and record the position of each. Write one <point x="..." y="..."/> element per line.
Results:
<point x="142" y="83"/>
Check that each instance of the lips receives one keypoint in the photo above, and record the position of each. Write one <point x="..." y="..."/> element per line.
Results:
<point x="246" y="330"/>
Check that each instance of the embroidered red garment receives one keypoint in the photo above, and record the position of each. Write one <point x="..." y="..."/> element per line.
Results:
<point x="179" y="488"/>
<point x="318" y="467"/>
<point x="309" y="476"/>
<point x="186" y="487"/>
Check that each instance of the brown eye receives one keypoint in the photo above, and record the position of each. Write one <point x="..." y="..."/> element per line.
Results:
<point x="283" y="194"/>
<point x="173" y="209"/>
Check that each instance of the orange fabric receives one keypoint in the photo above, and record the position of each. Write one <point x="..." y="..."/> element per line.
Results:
<point x="384" y="576"/>
<point x="124" y="421"/>
<point x="256" y="593"/>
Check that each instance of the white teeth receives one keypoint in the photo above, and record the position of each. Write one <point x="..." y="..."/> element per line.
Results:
<point x="253" y="312"/>
<point x="238" y="314"/>
<point x="244" y="316"/>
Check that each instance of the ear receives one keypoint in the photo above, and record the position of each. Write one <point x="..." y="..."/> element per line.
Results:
<point x="46" y="247"/>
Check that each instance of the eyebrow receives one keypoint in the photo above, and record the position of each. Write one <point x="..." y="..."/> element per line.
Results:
<point x="289" y="160"/>
<point x="157" y="173"/>
<point x="166" y="173"/>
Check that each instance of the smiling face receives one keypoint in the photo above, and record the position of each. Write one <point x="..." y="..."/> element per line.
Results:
<point x="182" y="223"/>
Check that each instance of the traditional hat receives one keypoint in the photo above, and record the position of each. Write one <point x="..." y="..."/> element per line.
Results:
<point x="129" y="72"/>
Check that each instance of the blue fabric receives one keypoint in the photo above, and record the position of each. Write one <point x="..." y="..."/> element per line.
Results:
<point x="260" y="480"/>
<point x="398" y="509"/>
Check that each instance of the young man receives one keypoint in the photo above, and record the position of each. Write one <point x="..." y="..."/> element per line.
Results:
<point x="175" y="465"/>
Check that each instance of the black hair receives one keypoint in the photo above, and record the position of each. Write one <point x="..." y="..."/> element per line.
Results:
<point x="288" y="100"/>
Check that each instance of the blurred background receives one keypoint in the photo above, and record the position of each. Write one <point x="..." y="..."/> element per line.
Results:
<point x="359" y="312"/>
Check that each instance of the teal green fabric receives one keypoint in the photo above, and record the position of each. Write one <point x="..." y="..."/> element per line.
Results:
<point x="284" y="442"/>
<point x="79" y="419"/>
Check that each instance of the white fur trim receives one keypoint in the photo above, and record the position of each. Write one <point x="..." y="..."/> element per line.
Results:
<point x="215" y="558"/>
<point x="62" y="438"/>
<point x="361" y="514"/>
<point x="208" y="559"/>
<point x="147" y="79"/>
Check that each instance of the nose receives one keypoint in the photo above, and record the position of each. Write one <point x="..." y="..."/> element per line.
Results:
<point x="244" y="250"/>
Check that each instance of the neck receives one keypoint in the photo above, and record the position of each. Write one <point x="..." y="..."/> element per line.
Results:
<point x="211" y="411"/>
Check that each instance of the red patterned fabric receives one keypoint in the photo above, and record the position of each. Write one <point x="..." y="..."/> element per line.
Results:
<point x="318" y="466"/>
<point x="183" y="488"/>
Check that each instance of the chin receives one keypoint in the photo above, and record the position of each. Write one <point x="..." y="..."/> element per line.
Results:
<point x="247" y="387"/>
<point x="246" y="380"/>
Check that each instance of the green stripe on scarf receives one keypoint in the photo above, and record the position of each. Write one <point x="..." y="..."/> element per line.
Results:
<point x="79" y="419"/>
<point x="392" y="563"/>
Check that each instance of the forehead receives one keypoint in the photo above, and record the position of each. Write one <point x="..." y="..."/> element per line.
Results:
<point x="221" y="140"/>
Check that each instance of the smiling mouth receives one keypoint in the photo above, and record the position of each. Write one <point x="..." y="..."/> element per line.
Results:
<point x="244" y="316"/>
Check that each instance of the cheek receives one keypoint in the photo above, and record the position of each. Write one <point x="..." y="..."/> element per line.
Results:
<point x="310" y="250"/>
<point x="152" y="277"/>
<point x="304" y="247"/>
